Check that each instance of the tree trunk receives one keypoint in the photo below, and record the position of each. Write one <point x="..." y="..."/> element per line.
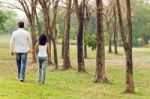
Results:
<point x="62" y="47"/>
<point x="66" y="57"/>
<point x="127" y="43"/>
<point x="110" y="43"/>
<point x="100" y="57"/>
<point x="129" y="64"/>
<point x="38" y="24"/>
<point x="86" y="23"/>
<point x="33" y="42"/>
<point x="46" y="24"/>
<point x="52" y="29"/>
<point x="115" y="43"/>
<point x="81" y="66"/>
<point x="55" y="54"/>
<point x="115" y="32"/>
<point x="80" y="9"/>
<point x="85" y="51"/>
<point x="110" y="37"/>
<point x="49" y="35"/>
<point x="30" y="10"/>
<point x="62" y="50"/>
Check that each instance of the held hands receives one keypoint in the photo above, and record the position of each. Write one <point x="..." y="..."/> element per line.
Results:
<point x="31" y="51"/>
<point x="12" y="53"/>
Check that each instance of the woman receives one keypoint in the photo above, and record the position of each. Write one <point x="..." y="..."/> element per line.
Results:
<point x="42" y="48"/>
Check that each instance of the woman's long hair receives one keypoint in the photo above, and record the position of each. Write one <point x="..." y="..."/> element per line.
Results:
<point x="42" y="39"/>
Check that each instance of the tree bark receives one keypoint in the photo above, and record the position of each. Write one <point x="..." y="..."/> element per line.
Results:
<point x="100" y="57"/>
<point x="62" y="47"/>
<point x="129" y="64"/>
<point x="38" y="24"/>
<point x="127" y="43"/>
<point x="80" y="16"/>
<point x="46" y="25"/>
<point x="30" y="10"/>
<point x="86" y="22"/>
<point x="52" y="30"/>
<point x="55" y="54"/>
<point x="33" y="42"/>
<point x="115" y="32"/>
<point x="110" y="36"/>
<point x="110" y="43"/>
<point x="66" y="56"/>
<point x="85" y="51"/>
<point x="81" y="66"/>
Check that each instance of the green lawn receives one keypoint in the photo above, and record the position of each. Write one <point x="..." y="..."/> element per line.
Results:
<point x="71" y="84"/>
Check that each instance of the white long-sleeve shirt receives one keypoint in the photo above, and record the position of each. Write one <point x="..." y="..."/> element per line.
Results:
<point x="20" y="41"/>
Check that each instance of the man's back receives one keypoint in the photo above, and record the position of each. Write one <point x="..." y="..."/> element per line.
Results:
<point x="20" y="41"/>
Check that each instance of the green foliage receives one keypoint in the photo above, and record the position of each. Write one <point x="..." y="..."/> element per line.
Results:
<point x="90" y="40"/>
<point x="7" y="21"/>
<point x="141" y="22"/>
<point x="73" y="33"/>
<point x="3" y="18"/>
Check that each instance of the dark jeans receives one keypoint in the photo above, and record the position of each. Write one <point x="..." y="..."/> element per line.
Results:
<point x="21" y="59"/>
<point x="42" y="69"/>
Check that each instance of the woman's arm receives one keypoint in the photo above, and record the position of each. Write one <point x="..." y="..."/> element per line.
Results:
<point x="48" y="49"/>
<point x="37" y="47"/>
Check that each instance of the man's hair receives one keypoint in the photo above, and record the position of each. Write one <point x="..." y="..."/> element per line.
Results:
<point x="21" y="24"/>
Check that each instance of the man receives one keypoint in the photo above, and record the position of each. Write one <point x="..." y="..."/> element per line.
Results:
<point x="20" y="44"/>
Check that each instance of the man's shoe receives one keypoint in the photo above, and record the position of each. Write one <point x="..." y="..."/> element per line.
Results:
<point x="21" y="80"/>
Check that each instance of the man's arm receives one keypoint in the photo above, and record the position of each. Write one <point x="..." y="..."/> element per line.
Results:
<point x="29" y="41"/>
<point x="12" y="44"/>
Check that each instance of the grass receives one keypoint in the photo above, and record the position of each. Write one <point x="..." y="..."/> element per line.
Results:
<point x="71" y="84"/>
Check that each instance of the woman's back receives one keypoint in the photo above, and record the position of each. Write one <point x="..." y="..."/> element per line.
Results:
<point x="42" y="50"/>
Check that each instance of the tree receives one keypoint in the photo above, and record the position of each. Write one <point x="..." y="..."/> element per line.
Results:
<point x="66" y="56"/>
<point x="30" y="10"/>
<point x="45" y="5"/>
<point x="53" y="32"/>
<point x="127" y="44"/>
<point x="100" y="57"/>
<point x="79" y="9"/>
<point x="108" y="17"/>
<point x="87" y="14"/>
<point x="49" y="26"/>
<point x="86" y="22"/>
<point x="115" y="30"/>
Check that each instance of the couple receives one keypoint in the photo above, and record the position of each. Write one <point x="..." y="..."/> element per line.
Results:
<point x="21" y="44"/>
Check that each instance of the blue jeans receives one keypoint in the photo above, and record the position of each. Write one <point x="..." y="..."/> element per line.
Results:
<point x="21" y="59"/>
<point x="42" y="69"/>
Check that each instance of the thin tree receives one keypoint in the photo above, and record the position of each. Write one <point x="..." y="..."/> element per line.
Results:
<point x="30" y="10"/>
<point x="53" y="31"/>
<point x="66" y="56"/>
<point x="115" y="31"/>
<point x="127" y="44"/>
<point x="49" y="26"/>
<point x="86" y="22"/>
<point x="87" y="14"/>
<point x="45" y="5"/>
<point x="100" y="57"/>
<point x="108" y="16"/>
<point x="79" y="9"/>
